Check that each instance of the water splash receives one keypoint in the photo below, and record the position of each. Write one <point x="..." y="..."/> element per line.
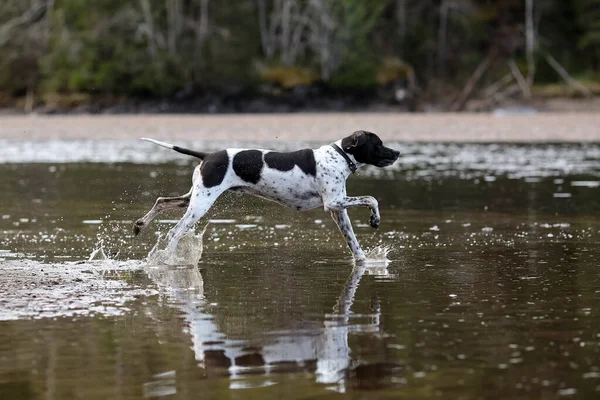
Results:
<point x="377" y="262"/>
<point x="379" y="253"/>
<point x="188" y="251"/>
<point x="68" y="289"/>
<point x="98" y="254"/>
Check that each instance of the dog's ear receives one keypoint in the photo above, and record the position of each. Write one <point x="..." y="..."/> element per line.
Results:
<point x="354" y="140"/>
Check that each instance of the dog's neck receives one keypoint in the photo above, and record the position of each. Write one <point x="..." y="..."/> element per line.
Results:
<point x="349" y="158"/>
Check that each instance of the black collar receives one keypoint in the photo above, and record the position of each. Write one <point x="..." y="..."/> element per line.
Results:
<point x="351" y="164"/>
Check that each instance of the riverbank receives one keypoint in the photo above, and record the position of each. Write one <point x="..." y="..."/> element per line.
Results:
<point x="318" y="127"/>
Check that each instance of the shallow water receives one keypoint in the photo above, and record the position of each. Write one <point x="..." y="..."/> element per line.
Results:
<point x="492" y="290"/>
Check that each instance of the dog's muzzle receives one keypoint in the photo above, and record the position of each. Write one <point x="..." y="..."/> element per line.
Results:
<point x="389" y="159"/>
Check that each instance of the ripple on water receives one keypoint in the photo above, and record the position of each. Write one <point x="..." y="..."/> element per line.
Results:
<point x="418" y="160"/>
<point x="488" y="291"/>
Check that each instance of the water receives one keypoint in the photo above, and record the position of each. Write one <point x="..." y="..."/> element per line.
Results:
<point x="491" y="290"/>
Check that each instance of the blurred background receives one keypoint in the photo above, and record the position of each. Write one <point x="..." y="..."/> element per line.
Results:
<point x="294" y="55"/>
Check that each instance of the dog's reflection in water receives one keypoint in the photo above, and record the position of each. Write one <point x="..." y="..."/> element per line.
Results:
<point x="324" y="351"/>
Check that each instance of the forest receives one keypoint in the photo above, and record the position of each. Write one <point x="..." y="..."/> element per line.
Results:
<point x="62" y="54"/>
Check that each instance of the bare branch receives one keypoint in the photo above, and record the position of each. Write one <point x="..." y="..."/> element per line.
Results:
<point x="464" y="96"/>
<point x="34" y="13"/>
<point x="498" y="97"/>
<point x="296" y="44"/>
<point x="285" y="19"/>
<point x="530" y="42"/>
<point x="149" y="22"/>
<point x="573" y="83"/>
<point x="49" y="9"/>
<point x="443" y="37"/>
<point x="203" y="26"/>
<point x="520" y="79"/>
<point x="401" y="17"/>
<point x="498" y="85"/>
<point x="174" y="19"/>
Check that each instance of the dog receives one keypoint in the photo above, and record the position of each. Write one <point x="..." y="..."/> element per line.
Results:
<point x="303" y="179"/>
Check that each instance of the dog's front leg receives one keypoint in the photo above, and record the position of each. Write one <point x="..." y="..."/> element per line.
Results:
<point x="365" y="201"/>
<point x="343" y="222"/>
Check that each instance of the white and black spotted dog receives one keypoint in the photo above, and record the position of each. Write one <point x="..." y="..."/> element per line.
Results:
<point x="303" y="179"/>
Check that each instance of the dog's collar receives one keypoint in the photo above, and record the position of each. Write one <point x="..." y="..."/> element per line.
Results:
<point x="351" y="163"/>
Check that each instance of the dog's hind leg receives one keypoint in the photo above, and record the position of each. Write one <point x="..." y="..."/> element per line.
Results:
<point x="343" y="222"/>
<point x="200" y="202"/>
<point x="162" y="204"/>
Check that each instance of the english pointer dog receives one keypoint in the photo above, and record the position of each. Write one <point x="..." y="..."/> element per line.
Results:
<point x="303" y="179"/>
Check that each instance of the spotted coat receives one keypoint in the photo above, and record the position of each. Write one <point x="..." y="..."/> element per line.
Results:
<point x="303" y="179"/>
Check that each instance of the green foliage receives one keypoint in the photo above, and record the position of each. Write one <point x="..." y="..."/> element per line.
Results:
<point x="588" y="13"/>
<point x="95" y="54"/>
<point x="359" y="58"/>
<point x="159" y="48"/>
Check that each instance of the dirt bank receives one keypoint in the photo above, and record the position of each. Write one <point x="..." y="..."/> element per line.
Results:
<point x="542" y="127"/>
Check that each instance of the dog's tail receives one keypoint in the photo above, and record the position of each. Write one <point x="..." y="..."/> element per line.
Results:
<point x="197" y="154"/>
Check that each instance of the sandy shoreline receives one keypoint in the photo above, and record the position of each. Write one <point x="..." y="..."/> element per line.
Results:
<point x="543" y="127"/>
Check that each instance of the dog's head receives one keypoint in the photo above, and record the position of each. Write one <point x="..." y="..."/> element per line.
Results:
<point x="367" y="148"/>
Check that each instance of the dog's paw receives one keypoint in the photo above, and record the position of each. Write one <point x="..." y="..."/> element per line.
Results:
<point x="137" y="227"/>
<point x="375" y="220"/>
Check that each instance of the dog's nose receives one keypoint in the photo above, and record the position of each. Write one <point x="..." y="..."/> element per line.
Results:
<point x="396" y="153"/>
